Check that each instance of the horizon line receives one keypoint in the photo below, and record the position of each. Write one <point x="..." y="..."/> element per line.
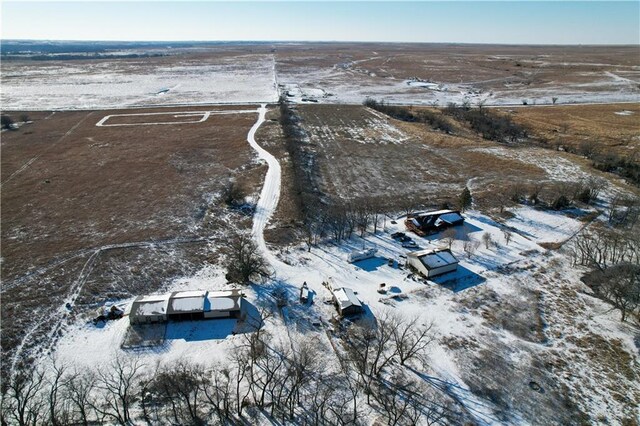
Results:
<point x="318" y="41"/>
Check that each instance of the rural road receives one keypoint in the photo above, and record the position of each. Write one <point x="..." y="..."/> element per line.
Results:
<point x="269" y="197"/>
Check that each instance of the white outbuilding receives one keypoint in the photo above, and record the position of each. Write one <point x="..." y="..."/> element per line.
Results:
<point x="346" y="302"/>
<point x="432" y="262"/>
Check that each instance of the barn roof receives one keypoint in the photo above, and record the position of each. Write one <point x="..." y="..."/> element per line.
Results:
<point x="346" y="297"/>
<point x="433" y="259"/>
<point x="150" y="305"/>
<point x="227" y="300"/>
<point x="450" y="218"/>
<point x="187" y="301"/>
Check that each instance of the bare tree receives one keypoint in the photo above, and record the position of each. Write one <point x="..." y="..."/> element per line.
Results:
<point x="118" y="383"/>
<point x="23" y="401"/>
<point x="181" y="384"/>
<point x="508" y="235"/>
<point x="77" y="390"/>
<point x="7" y="121"/>
<point x="233" y="194"/>
<point x="449" y="236"/>
<point x="470" y="246"/>
<point x="619" y="284"/>
<point x="370" y="348"/>
<point x="486" y="239"/>
<point x="55" y="384"/>
<point x="245" y="262"/>
<point x="411" y="338"/>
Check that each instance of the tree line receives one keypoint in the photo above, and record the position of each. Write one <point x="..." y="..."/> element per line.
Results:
<point x="289" y="383"/>
<point x="491" y="125"/>
<point x="434" y="120"/>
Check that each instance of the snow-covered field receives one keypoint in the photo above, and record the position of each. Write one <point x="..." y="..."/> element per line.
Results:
<point x="437" y="301"/>
<point x="496" y="276"/>
<point x="339" y="86"/>
<point x="119" y="84"/>
<point x="244" y="77"/>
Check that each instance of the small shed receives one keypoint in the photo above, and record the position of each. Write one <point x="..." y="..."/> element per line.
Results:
<point x="223" y="304"/>
<point x="186" y="305"/>
<point x="346" y="302"/>
<point x="432" y="262"/>
<point x="149" y="309"/>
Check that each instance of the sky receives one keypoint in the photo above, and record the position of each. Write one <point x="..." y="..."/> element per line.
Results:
<point x="509" y="22"/>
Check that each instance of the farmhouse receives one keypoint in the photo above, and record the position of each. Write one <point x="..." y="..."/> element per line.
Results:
<point x="346" y="302"/>
<point x="432" y="222"/>
<point x="186" y="305"/>
<point x="432" y="262"/>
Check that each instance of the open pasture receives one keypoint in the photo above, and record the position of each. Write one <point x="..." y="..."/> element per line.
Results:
<point x="92" y="213"/>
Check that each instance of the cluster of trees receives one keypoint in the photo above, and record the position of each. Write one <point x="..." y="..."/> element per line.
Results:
<point x="622" y="164"/>
<point x="341" y="221"/>
<point x="556" y="197"/>
<point x="614" y="255"/>
<point x="620" y="285"/>
<point x="285" y="382"/>
<point x="435" y="120"/>
<point x="7" y="121"/>
<point x="380" y="361"/>
<point x="492" y="126"/>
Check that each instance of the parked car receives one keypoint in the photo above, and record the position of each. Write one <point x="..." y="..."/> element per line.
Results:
<point x="398" y="235"/>
<point x="410" y="244"/>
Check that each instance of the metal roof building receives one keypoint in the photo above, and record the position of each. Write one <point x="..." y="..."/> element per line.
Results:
<point x="432" y="262"/>
<point x="186" y="305"/>
<point x="347" y="302"/>
<point x="149" y="309"/>
<point x="223" y="304"/>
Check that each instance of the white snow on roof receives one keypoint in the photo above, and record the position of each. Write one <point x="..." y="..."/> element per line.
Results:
<point x="153" y="298"/>
<point x="222" y="303"/>
<point x="434" y="259"/>
<point x="193" y="293"/>
<point x="152" y="305"/>
<point x="188" y="301"/>
<point x="152" y="308"/>
<point x="450" y="217"/>
<point x="346" y="297"/>
<point x="435" y="212"/>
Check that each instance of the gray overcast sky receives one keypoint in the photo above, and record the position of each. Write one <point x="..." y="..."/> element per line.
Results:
<point x="553" y="22"/>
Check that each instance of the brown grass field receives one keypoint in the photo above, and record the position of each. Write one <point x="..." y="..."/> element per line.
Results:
<point x="363" y="154"/>
<point x="612" y="127"/>
<point x="96" y="213"/>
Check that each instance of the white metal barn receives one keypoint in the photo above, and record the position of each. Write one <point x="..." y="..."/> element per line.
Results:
<point x="186" y="305"/>
<point x="149" y="309"/>
<point x="432" y="262"/>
